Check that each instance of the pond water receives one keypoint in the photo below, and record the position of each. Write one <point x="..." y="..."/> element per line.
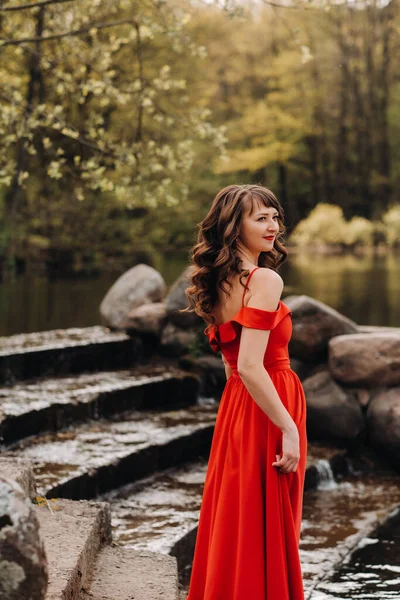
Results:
<point x="365" y="288"/>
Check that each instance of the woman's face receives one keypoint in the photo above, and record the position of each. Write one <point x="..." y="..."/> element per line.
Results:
<point x="259" y="230"/>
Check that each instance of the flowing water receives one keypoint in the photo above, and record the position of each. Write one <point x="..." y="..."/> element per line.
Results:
<point x="338" y="517"/>
<point x="373" y="571"/>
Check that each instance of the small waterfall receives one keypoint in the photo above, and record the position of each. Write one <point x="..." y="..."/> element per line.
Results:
<point x="326" y="479"/>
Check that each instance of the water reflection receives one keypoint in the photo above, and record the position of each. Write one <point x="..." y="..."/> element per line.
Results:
<point x="364" y="288"/>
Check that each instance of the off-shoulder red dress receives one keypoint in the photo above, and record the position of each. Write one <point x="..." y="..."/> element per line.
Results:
<point x="249" y="527"/>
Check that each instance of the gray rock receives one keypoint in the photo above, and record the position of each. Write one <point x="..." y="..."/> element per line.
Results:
<point x="176" y="300"/>
<point x="176" y="341"/>
<point x="23" y="564"/>
<point x="366" y="359"/>
<point x="140" y="285"/>
<point x="149" y="318"/>
<point x="20" y="471"/>
<point x="332" y="412"/>
<point x="383" y="423"/>
<point x="314" y="324"/>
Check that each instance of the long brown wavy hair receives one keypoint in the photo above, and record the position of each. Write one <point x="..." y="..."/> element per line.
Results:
<point x="214" y="257"/>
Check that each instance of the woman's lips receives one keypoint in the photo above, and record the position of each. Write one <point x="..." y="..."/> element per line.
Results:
<point x="269" y="237"/>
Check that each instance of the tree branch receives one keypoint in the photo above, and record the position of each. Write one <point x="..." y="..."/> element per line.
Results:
<point x="34" y="5"/>
<point x="57" y="36"/>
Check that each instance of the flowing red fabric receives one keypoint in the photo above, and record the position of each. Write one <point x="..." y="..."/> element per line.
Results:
<point x="249" y="527"/>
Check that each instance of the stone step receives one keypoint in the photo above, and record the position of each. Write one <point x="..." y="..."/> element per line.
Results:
<point x="65" y="351"/>
<point x="73" y="533"/>
<point x="49" y="405"/>
<point x="89" y="459"/>
<point x="127" y="574"/>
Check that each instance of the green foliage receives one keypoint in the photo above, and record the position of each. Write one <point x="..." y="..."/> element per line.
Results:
<point x="359" y="231"/>
<point x="326" y="226"/>
<point x="102" y="116"/>
<point x="391" y="220"/>
<point x="122" y="120"/>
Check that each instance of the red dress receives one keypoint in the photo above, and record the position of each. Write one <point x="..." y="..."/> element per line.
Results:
<point x="249" y="527"/>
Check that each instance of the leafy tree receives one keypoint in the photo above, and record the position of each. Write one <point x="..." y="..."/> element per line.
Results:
<point x="95" y="108"/>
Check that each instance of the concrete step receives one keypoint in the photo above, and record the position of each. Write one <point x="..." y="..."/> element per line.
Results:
<point x="73" y="533"/>
<point x="127" y="574"/>
<point x="92" y="458"/>
<point x="65" y="351"/>
<point x="52" y="404"/>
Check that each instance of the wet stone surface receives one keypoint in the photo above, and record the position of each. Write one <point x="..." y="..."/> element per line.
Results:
<point x="58" y="338"/>
<point x="26" y="397"/>
<point x="59" y="457"/>
<point x="157" y="512"/>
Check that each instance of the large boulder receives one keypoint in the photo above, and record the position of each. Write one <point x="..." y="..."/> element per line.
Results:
<point x="366" y="359"/>
<point x="314" y="324"/>
<point x="332" y="412"/>
<point x="147" y="319"/>
<point x="177" y="299"/>
<point x="140" y="285"/>
<point x="23" y="564"/>
<point x="383" y="423"/>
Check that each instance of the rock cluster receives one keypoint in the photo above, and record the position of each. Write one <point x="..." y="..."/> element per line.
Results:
<point x="353" y="387"/>
<point x="350" y="373"/>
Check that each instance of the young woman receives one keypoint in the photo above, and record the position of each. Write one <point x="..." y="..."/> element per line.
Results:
<point x="249" y="527"/>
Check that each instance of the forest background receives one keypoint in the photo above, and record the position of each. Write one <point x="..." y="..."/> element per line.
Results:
<point x="121" y="119"/>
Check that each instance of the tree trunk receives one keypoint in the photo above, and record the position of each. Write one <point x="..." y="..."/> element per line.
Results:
<point x="14" y="198"/>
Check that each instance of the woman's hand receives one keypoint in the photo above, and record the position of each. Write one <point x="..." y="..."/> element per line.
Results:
<point x="289" y="460"/>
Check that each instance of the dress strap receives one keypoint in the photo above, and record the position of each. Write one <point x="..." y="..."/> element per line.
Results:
<point x="247" y="284"/>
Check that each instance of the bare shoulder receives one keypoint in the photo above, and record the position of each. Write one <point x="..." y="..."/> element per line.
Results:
<point x="265" y="276"/>
<point x="265" y="289"/>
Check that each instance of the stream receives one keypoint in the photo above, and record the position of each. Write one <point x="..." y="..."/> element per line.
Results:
<point x="154" y="514"/>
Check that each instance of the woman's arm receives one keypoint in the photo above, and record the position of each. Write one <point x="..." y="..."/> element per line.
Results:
<point x="266" y="290"/>
<point x="228" y="370"/>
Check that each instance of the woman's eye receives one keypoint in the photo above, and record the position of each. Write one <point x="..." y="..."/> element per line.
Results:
<point x="260" y="219"/>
